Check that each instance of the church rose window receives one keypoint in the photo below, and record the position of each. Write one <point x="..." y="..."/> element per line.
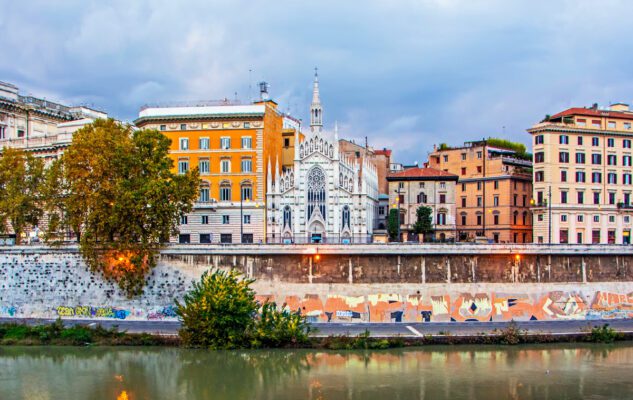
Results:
<point x="316" y="192"/>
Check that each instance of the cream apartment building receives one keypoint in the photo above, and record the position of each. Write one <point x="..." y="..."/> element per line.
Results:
<point x="583" y="176"/>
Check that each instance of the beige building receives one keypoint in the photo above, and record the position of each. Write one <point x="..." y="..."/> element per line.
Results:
<point x="40" y="126"/>
<point x="493" y="192"/>
<point x="411" y="188"/>
<point x="380" y="159"/>
<point x="583" y="176"/>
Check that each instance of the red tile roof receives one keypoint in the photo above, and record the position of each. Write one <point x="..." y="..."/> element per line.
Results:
<point x="421" y="173"/>
<point x="592" y="112"/>
<point x="386" y="152"/>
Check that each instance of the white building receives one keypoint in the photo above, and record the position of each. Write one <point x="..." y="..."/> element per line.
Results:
<point x="324" y="198"/>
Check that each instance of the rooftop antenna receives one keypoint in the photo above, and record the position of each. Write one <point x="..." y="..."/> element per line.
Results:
<point x="236" y="97"/>
<point x="250" y="93"/>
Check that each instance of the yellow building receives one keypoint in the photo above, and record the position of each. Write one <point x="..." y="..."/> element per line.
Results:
<point x="583" y="176"/>
<point x="232" y="146"/>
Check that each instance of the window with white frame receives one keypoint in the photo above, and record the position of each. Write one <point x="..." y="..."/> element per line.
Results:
<point x="204" y="143"/>
<point x="247" y="142"/>
<point x="247" y="219"/>
<point x="204" y="219"/>
<point x="203" y="166"/>
<point x="225" y="192"/>
<point x="183" y="166"/>
<point x="225" y="143"/>
<point x="225" y="166"/>
<point x="247" y="165"/>
<point x="183" y="220"/>
<point x="247" y="192"/>
<point x="184" y="144"/>
<point x="225" y="219"/>
<point x="204" y="194"/>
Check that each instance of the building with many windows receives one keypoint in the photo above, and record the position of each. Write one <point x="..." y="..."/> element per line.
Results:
<point x="411" y="188"/>
<point x="230" y="144"/>
<point x="493" y="192"/>
<point x="583" y="176"/>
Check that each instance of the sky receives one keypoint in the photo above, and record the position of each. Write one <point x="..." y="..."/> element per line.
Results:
<point x="406" y="74"/>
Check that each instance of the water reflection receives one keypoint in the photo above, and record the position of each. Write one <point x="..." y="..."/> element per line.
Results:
<point x="535" y="372"/>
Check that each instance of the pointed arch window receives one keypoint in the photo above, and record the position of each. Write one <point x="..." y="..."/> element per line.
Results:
<point x="346" y="217"/>
<point x="316" y="192"/>
<point x="287" y="217"/>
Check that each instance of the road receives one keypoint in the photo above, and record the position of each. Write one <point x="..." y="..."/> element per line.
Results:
<point x="403" y="329"/>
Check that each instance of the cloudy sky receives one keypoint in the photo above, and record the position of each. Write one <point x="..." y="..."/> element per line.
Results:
<point x="406" y="74"/>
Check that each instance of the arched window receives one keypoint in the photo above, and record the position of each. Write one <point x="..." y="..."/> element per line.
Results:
<point x="287" y="217"/>
<point x="346" y="217"/>
<point x="441" y="218"/>
<point x="515" y="216"/>
<point x="316" y="192"/>
<point x="421" y="198"/>
<point x="524" y="217"/>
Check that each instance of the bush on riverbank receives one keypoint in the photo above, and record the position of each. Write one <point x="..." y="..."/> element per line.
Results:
<point x="79" y="335"/>
<point x="604" y="334"/>
<point x="220" y="312"/>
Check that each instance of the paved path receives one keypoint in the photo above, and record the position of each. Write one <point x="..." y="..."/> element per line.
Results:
<point x="376" y="329"/>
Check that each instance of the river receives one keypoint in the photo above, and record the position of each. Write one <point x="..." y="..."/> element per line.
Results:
<point x="458" y="372"/>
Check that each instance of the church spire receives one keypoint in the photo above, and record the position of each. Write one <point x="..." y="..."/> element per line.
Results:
<point x="316" y="112"/>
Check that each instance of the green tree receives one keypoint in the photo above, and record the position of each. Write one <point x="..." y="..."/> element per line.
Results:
<point x="423" y="224"/>
<point x="393" y="221"/>
<point x="21" y="178"/>
<point x="115" y="188"/>
<point x="220" y="312"/>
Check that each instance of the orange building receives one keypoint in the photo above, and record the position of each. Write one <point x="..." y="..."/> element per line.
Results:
<point x="233" y="146"/>
<point x="493" y="192"/>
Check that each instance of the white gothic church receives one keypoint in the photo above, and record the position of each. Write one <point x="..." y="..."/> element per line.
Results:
<point x="324" y="198"/>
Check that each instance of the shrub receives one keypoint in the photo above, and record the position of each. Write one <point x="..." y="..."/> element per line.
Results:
<point x="604" y="334"/>
<point x="278" y="328"/>
<point x="77" y="335"/>
<point x="511" y="334"/>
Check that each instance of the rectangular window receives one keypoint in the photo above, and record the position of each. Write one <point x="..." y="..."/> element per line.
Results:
<point x="478" y="185"/>
<point x="204" y="219"/>
<point x="580" y="218"/>
<point x="596" y="159"/>
<point x="580" y="158"/>
<point x="579" y="140"/>
<point x="184" y="238"/>
<point x="612" y="178"/>
<point x="442" y="185"/>
<point x="203" y="166"/>
<point x="596" y="177"/>
<point x="183" y="127"/>
<point x="563" y="176"/>
<point x="611" y="218"/>
<point x="205" y="238"/>
<point x="495" y="219"/>
<point x="581" y="197"/>
<point x="463" y="219"/>
<point x="612" y="159"/>
<point x="595" y="123"/>
<point x="479" y="201"/>
<point x="247" y="125"/>
<point x="611" y="198"/>
<point x="563" y="197"/>
<point x="381" y="210"/>
<point x="595" y="236"/>
<point x="183" y="220"/>
<point x="496" y="184"/>
<point x="184" y="144"/>
<point x="626" y="161"/>
<point x="247" y="193"/>
<point x="627" y="126"/>
<point x="463" y="187"/>
<point x="596" y="197"/>
<point x="247" y="142"/>
<point x="539" y="157"/>
<point x="445" y="158"/>
<point x="163" y="127"/>
<point x="442" y="199"/>
<point x="247" y="219"/>
<point x="225" y="193"/>
<point x="225" y="143"/>
<point x="183" y="166"/>
<point x="226" y="238"/>
<point x="580" y="176"/>
<point x="611" y="124"/>
<point x="495" y="201"/>
<point x="596" y="218"/>
<point x="204" y="143"/>
<point x="421" y="185"/>
<point x="539" y="176"/>
<point x="247" y="238"/>
<point x="610" y="142"/>
<point x="463" y="201"/>
<point x="479" y="154"/>
<point x="225" y="166"/>
<point x="563" y="218"/>
<point x="286" y="142"/>
<point x="626" y="179"/>
<point x="479" y="220"/>
<point x="539" y="198"/>
<point x="204" y="195"/>
<point x="463" y="156"/>
<point x="581" y="122"/>
<point x="564" y="236"/>
<point x="463" y="170"/>
<point x="563" y="157"/>
<point x="626" y="143"/>
<point x="225" y="219"/>
<point x="247" y="165"/>
<point x="595" y="141"/>
<point x="563" y="139"/>
<point x="538" y="139"/>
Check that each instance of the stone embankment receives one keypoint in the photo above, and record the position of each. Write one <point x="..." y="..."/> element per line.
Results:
<point x="376" y="283"/>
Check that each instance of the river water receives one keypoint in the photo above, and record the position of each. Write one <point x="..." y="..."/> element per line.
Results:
<point x="459" y="372"/>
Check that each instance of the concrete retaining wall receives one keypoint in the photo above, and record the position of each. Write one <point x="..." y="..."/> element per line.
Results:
<point x="338" y="287"/>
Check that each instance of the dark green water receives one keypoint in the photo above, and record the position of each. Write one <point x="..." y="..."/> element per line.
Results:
<point x="534" y="372"/>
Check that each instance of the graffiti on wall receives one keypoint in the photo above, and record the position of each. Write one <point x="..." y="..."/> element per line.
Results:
<point x="462" y="307"/>
<point x="8" y="311"/>
<point x="91" y="312"/>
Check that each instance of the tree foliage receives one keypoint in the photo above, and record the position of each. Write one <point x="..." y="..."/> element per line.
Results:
<point x="114" y="187"/>
<point x="424" y="220"/>
<point x="21" y="178"/>
<point x="220" y="312"/>
<point x="393" y="221"/>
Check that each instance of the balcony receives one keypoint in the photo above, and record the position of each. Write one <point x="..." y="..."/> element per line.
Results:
<point x="625" y="206"/>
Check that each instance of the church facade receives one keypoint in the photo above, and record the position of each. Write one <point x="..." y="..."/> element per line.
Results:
<point x="324" y="197"/>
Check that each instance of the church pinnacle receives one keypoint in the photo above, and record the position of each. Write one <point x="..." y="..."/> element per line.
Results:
<point x="316" y="112"/>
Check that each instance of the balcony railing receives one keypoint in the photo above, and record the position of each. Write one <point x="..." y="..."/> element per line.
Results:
<point x="625" y="206"/>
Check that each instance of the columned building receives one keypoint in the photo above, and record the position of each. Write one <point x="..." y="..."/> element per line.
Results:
<point x="583" y="173"/>
<point x="324" y="197"/>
